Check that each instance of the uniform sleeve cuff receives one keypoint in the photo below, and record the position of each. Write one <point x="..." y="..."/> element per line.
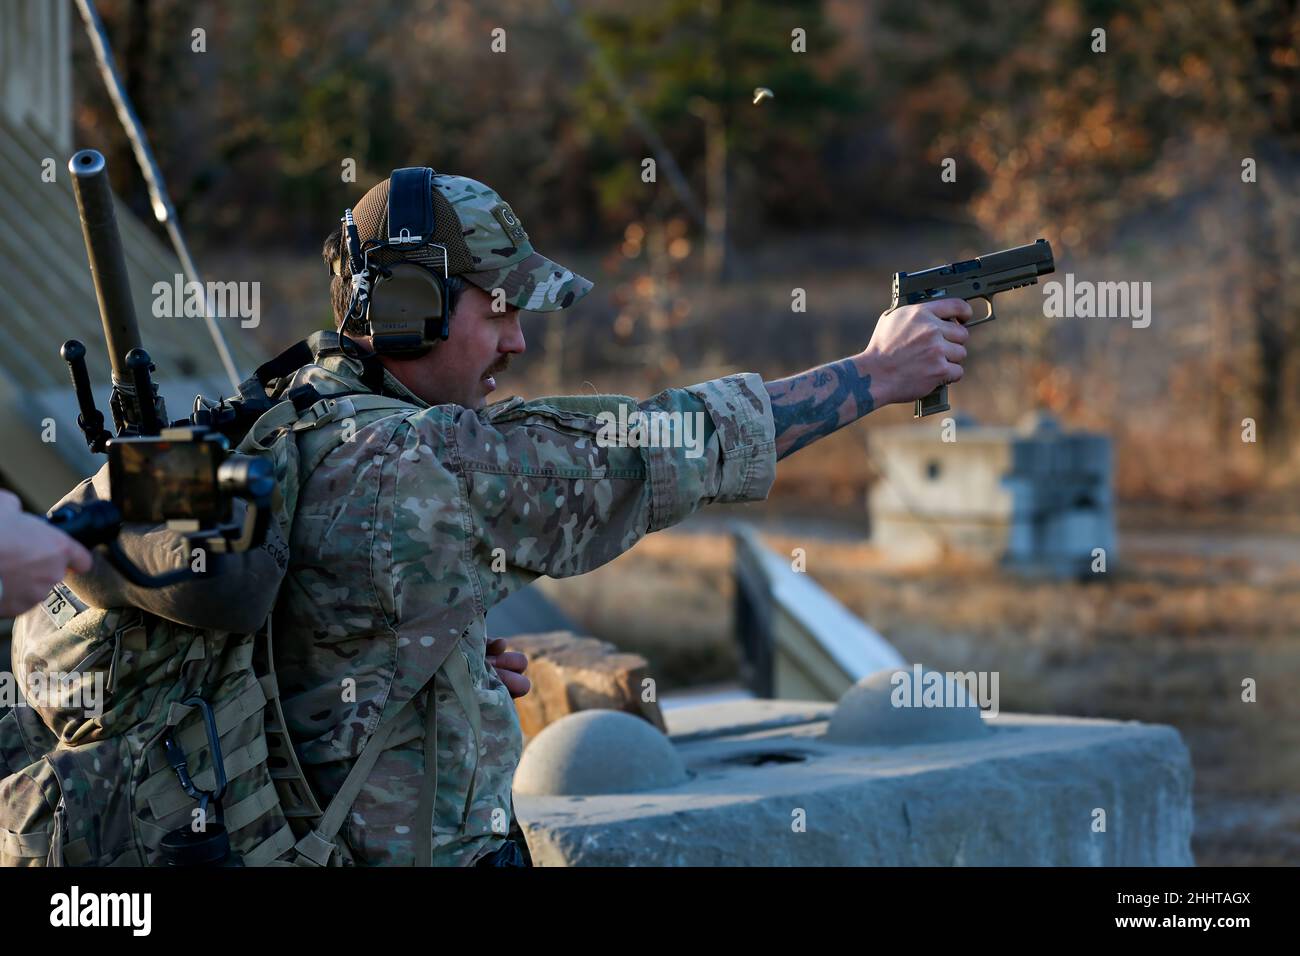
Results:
<point x="741" y="410"/>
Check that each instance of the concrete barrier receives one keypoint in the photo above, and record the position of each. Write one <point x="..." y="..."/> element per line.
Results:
<point x="766" y="788"/>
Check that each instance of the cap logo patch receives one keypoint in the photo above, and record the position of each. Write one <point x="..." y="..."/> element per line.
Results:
<point x="510" y="223"/>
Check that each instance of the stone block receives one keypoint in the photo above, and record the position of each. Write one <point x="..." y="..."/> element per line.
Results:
<point x="774" y="792"/>
<point x="572" y="674"/>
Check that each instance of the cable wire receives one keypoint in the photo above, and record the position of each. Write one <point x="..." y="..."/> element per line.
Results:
<point x="163" y="209"/>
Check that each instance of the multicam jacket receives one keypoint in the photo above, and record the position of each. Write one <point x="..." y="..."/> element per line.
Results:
<point x="413" y="529"/>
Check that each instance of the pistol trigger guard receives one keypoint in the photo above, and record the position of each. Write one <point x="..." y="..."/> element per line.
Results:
<point x="987" y="318"/>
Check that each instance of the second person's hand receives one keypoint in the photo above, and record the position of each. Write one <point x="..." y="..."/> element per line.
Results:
<point x="34" y="556"/>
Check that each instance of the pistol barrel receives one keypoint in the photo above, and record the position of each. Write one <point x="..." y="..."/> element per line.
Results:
<point x="976" y="278"/>
<point x="1036" y="254"/>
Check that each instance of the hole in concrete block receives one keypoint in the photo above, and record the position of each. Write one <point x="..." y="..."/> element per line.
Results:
<point x="760" y="757"/>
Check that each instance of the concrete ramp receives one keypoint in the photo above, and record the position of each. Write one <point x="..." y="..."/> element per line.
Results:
<point x="798" y="642"/>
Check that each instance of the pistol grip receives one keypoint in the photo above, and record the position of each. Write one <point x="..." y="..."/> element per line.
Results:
<point x="936" y="401"/>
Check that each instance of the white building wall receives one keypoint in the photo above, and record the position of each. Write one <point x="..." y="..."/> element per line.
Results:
<point x="36" y="67"/>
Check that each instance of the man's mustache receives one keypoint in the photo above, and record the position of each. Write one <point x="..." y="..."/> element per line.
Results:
<point x="500" y="365"/>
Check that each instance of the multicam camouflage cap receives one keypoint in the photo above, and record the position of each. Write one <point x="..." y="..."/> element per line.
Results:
<point x="486" y="244"/>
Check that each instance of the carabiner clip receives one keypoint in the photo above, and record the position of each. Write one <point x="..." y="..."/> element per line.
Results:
<point x="179" y="763"/>
<point x="210" y="845"/>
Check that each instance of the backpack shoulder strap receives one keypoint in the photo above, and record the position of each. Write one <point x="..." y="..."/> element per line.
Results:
<point x="298" y="415"/>
<point x="361" y="408"/>
<point x="316" y="847"/>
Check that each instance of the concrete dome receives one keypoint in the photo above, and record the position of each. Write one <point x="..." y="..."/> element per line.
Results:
<point x="596" y="752"/>
<point x="883" y="711"/>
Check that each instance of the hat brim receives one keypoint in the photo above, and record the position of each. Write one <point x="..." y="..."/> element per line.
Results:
<point x="534" y="284"/>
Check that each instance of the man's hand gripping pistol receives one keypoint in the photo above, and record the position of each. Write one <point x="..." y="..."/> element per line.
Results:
<point x="981" y="278"/>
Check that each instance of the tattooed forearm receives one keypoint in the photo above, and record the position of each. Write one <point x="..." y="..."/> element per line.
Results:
<point x="812" y="404"/>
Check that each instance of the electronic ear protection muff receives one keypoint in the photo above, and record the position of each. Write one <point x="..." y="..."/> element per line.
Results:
<point x="400" y="304"/>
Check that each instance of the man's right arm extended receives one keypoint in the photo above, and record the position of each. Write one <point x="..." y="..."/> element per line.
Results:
<point x="545" y="495"/>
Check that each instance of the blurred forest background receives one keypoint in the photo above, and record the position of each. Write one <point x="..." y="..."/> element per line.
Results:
<point x="1130" y="161"/>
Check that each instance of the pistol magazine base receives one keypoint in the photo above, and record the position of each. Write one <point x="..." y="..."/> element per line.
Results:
<point x="936" y="401"/>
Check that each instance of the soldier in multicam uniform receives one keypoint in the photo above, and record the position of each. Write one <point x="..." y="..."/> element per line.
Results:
<point x="409" y="532"/>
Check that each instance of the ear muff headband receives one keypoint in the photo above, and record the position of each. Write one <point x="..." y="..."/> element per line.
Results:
<point x="410" y="205"/>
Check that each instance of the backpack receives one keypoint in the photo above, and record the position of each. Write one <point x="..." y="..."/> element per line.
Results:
<point x="185" y="709"/>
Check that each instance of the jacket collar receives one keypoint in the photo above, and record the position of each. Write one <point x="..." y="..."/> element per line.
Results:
<point x="341" y="365"/>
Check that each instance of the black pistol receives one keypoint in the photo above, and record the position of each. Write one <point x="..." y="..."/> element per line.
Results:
<point x="981" y="278"/>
